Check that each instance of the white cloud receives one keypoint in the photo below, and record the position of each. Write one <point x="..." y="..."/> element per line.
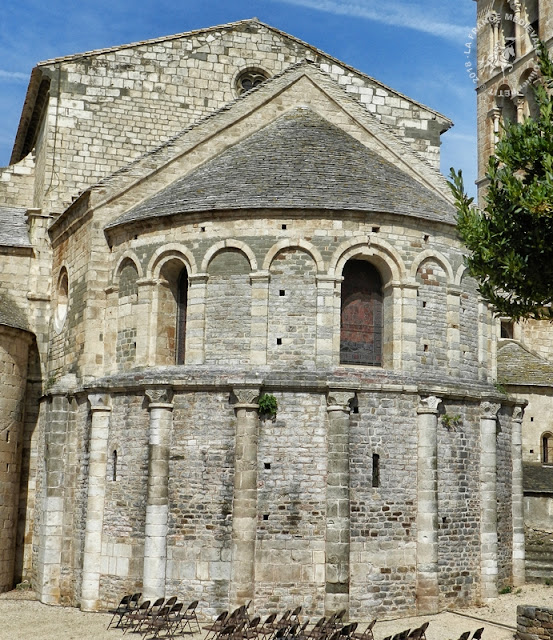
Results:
<point x="436" y="17"/>
<point x="13" y="76"/>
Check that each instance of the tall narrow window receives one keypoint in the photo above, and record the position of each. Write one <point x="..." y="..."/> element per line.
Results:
<point x="114" y="465"/>
<point x="361" y="315"/>
<point x="376" y="470"/>
<point x="182" y="303"/>
<point x="547" y="448"/>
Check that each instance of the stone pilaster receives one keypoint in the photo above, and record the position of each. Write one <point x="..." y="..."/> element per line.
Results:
<point x="405" y="340"/>
<point x="157" y="501"/>
<point x="110" y="332"/>
<point x="325" y="320"/>
<point x="427" y="506"/>
<point x="260" y="309"/>
<point x="97" y="466"/>
<point x="488" y="500"/>
<point x="519" y="573"/>
<point x="453" y="331"/>
<point x="145" y="341"/>
<point x="244" y="516"/>
<point x="195" y="319"/>
<point x="338" y="501"/>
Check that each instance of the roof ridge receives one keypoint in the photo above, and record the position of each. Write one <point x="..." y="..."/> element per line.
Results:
<point x="120" y="47"/>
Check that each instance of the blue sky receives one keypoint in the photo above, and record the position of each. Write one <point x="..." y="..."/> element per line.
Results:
<point x="415" y="46"/>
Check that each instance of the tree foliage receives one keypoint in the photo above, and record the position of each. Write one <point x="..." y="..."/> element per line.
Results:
<point x="511" y="238"/>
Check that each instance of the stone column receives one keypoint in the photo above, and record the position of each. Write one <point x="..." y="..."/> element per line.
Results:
<point x="337" y="501"/>
<point x="495" y="115"/>
<point x="110" y="332"/>
<point x="260" y="308"/>
<point x="195" y="318"/>
<point x="520" y="102"/>
<point x="97" y="468"/>
<point x="519" y="572"/>
<point x="488" y="500"/>
<point x="244" y="510"/>
<point x="427" y="506"/>
<point x="157" y="501"/>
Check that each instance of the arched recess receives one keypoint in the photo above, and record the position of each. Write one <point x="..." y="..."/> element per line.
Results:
<point x="127" y="255"/>
<point x="361" y="314"/>
<point x="439" y="258"/>
<point x="505" y="104"/>
<point x="546" y="447"/>
<point x="125" y="348"/>
<point x="386" y="260"/>
<point x="228" y="307"/>
<point x="291" y="244"/>
<point x="292" y="317"/>
<point x="167" y="253"/>
<point x="526" y="91"/>
<point x="231" y="245"/>
<point x="171" y="309"/>
<point x="432" y="345"/>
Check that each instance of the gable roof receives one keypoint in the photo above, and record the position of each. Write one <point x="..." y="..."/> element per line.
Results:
<point x="11" y="315"/>
<point x="14" y="231"/>
<point x="516" y="365"/>
<point x="298" y="161"/>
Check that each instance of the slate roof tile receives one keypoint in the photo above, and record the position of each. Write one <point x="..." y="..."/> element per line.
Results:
<point x="299" y="161"/>
<point x="13" y="227"/>
<point x="517" y="365"/>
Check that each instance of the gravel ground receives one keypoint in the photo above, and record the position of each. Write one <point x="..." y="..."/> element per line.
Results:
<point x="23" y="618"/>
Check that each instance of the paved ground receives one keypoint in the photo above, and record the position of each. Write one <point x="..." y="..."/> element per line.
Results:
<point x="24" y="619"/>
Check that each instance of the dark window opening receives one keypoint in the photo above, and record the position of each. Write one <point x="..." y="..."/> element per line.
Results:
<point x="376" y="470"/>
<point x="547" y="449"/>
<point x="182" y="303"/>
<point x="114" y="463"/>
<point x="507" y="329"/>
<point x="361" y="315"/>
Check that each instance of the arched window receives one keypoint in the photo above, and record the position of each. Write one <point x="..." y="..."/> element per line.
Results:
<point x="182" y="303"/>
<point x="114" y="465"/>
<point x="547" y="448"/>
<point x="62" y="300"/>
<point x="172" y="301"/>
<point x="361" y="315"/>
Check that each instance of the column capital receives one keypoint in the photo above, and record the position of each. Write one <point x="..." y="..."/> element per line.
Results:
<point x="198" y="278"/>
<point x="99" y="401"/>
<point x="518" y="412"/>
<point x="159" y="396"/>
<point x="246" y="396"/>
<point x="429" y="404"/>
<point x="339" y="399"/>
<point x="489" y="410"/>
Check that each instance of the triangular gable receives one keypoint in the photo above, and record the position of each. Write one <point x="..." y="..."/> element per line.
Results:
<point x="301" y="86"/>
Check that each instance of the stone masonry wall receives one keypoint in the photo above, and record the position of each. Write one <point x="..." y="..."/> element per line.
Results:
<point x="14" y="349"/>
<point x="383" y="527"/>
<point x="534" y="623"/>
<point x="459" y="505"/>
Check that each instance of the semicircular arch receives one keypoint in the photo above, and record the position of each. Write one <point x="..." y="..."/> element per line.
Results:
<point x="168" y="252"/>
<point x="305" y="246"/>
<point x="381" y="253"/>
<point x="432" y="255"/>
<point x="229" y="244"/>
<point x="128" y="256"/>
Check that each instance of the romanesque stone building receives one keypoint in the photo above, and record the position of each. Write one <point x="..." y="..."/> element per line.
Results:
<point x="193" y="222"/>
<point x="507" y="32"/>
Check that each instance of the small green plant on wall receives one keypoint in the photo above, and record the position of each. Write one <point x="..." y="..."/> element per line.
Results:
<point x="451" y="422"/>
<point x="267" y="406"/>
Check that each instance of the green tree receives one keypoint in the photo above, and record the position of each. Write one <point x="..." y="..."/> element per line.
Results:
<point x="511" y="238"/>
